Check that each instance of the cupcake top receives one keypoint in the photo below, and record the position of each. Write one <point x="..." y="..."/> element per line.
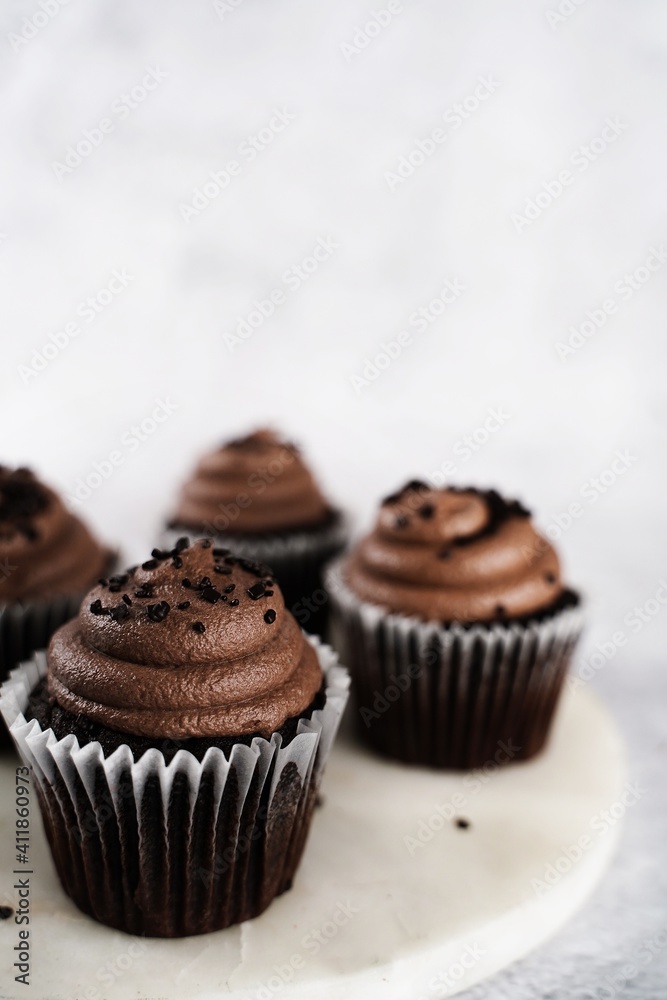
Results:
<point x="252" y="485"/>
<point x="449" y="555"/>
<point x="194" y="642"/>
<point x="45" y="551"/>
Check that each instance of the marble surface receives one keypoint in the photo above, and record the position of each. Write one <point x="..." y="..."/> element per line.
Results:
<point x="526" y="227"/>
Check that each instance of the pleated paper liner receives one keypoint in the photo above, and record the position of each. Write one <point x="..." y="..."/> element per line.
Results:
<point x="176" y="849"/>
<point x="449" y="696"/>
<point x="296" y="557"/>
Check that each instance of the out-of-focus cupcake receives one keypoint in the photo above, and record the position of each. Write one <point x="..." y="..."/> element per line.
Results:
<point x="456" y="626"/>
<point x="256" y="495"/>
<point x="48" y="559"/>
<point x="177" y="731"/>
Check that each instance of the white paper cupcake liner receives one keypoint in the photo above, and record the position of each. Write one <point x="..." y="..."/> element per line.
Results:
<point x="451" y="696"/>
<point x="297" y="558"/>
<point x="182" y="848"/>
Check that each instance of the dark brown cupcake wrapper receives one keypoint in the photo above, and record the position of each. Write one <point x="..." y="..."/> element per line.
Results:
<point x="297" y="558"/>
<point x="178" y="849"/>
<point x="25" y="627"/>
<point x="452" y="696"/>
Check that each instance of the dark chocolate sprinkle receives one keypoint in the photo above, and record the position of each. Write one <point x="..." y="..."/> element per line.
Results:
<point x="114" y="588"/>
<point x="270" y="616"/>
<point x="220" y="552"/>
<point x="120" y="613"/>
<point x="231" y="587"/>
<point x="177" y="562"/>
<point x="223" y="569"/>
<point x="206" y="544"/>
<point x="268" y="593"/>
<point x="182" y="543"/>
<point x="426" y="511"/>
<point x="127" y="600"/>
<point x="102" y="582"/>
<point x="158" y="612"/>
<point x="256" y="591"/>
<point x="145" y="590"/>
<point x="159" y="554"/>
<point x="198" y="627"/>
<point x="185" y="582"/>
<point x="149" y="564"/>
<point x="96" y="608"/>
<point x="211" y="595"/>
<point x="233" y="603"/>
<point x="183" y="606"/>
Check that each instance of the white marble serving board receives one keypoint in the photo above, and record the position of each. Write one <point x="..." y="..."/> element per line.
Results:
<point x="370" y="914"/>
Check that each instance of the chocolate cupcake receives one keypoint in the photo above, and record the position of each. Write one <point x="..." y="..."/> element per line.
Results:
<point x="177" y="731"/>
<point x="456" y="627"/>
<point x="48" y="559"/>
<point x="256" y="495"/>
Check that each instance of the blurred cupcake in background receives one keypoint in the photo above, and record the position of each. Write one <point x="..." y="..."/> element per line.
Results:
<point x="256" y="495"/>
<point x="48" y="559"/>
<point x="178" y="730"/>
<point x="457" y="628"/>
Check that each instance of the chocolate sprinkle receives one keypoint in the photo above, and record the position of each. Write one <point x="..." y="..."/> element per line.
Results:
<point x="96" y="608"/>
<point x="185" y="582"/>
<point x="234" y="603"/>
<point x="223" y="569"/>
<point x="146" y="590"/>
<point x="231" y="587"/>
<point x="256" y="591"/>
<point x="211" y="595"/>
<point x="149" y="564"/>
<point x="120" y="613"/>
<point x="183" y="606"/>
<point x="206" y="544"/>
<point x="158" y="612"/>
<point x="270" y="616"/>
<point x="220" y="552"/>
<point x="127" y="600"/>
<point x="182" y="543"/>
<point x="426" y="511"/>
<point x="199" y="627"/>
<point x="177" y="562"/>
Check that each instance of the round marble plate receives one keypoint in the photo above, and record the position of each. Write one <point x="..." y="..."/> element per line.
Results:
<point x="414" y="884"/>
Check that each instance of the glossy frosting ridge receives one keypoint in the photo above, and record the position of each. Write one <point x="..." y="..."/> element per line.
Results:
<point x="451" y="555"/>
<point x="194" y="642"/>
<point x="254" y="484"/>
<point x="45" y="550"/>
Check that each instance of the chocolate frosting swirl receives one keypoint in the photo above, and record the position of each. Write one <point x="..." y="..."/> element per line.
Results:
<point x="454" y="555"/>
<point x="252" y="485"/>
<point x="45" y="551"/>
<point x="195" y="642"/>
